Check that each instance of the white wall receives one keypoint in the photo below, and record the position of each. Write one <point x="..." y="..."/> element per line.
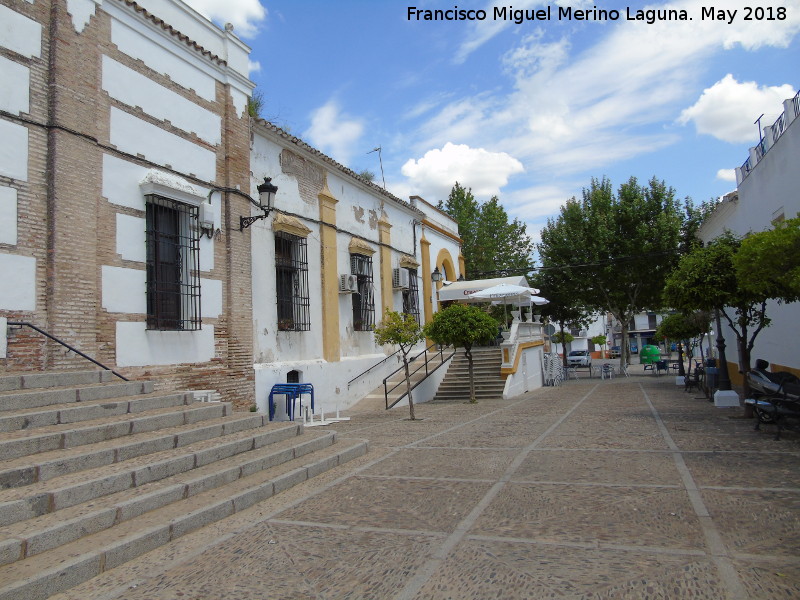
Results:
<point x="19" y="33"/>
<point x="135" y="136"/>
<point x="771" y="189"/>
<point x="13" y="150"/>
<point x="8" y="215"/>
<point x="14" y="93"/>
<point x="329" y="379"/>
<point x="138" y="347"/>
<point x="529" y="373"/>
<point x="357" y="213"/>
<point x="22" y="271"/>
<point x="135" y="89"/>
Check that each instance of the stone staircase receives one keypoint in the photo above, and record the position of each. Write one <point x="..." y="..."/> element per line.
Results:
<point x="95" y="472"/>
<point x="488" y="382"/>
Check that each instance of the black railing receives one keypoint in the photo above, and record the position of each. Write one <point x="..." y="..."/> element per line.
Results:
<point x="425" y="365"/>
<point x="66" y="345"/>
<point x="778" y="127"/>
<point x="377" y="364"/>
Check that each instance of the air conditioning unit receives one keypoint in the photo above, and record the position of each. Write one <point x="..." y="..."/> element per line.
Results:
<point x="348" y="284"/>
<point x="400" y="279"/>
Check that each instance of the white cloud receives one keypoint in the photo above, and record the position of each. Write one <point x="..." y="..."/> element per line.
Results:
<point x="728" y="108"/>
<point x="483" y="171"/>
<point x="575" y="112"/>
<point x="244" y="15"/>
<point x="253" y="66"/>
<point x="334" y="133"/>
<point x="726" y="174"/>
<point x="480" y="32"/>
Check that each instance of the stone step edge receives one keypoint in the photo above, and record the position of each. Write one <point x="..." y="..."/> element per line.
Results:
<point x="40" y="397"/>
<point x="122" y="448"/>
<point x="80" y="436"/>
<point x="64" y="414"/>
<point x="69" y="571"/>
<point x="31" y="504"/>
<point x="122" y="509"/>
<point x="46" y="379"/>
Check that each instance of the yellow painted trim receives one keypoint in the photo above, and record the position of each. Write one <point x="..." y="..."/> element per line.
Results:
<point x="408" y="262"/>
<point x="444" y="260"/>
<point x="385" y="238"/>
<point x="427" y="299"/>
<point x="523" y="346"/>
<point x="358" y="246"/>
<point x="290" y="225"/>
<point x="444" y="232"/>
<point x="331" y="343"/>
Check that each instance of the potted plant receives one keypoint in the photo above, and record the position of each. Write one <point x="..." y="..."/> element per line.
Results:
<point x="285" y="324"/>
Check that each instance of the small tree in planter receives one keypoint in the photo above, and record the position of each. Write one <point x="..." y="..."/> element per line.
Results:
<point x="400" y="329"/>
<point x="563" y="337"/>
<point x="599" y="340"/>
<point x="681" y="328"/>
<point x="464" y="326"/>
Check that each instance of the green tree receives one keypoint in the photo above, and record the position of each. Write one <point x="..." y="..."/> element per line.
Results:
<point x="599" y="340"/>
<point x="739" y="283"/>
<point x="617" y="249"/>
<point x="768" y="262"/>
<point x="682" y="328"/>
<point x="490" y="241"/>
<point x="462" y="326"/>
<point x="400" y="329"/>
<point x="464" y="209"/>
<point x="563" y="291"/>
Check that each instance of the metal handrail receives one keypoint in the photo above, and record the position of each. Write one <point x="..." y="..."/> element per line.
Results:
<point x="66" y="345"/>
<point x="442" y="360"/>
<point x="380" y="362"/>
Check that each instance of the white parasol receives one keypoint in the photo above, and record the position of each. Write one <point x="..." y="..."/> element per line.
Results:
<point x="505" y="293"/>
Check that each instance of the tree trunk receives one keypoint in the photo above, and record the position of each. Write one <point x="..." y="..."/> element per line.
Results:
<point x="681" y="370"/>
<point x="468" y="352"/>
<point x="408" y="389"/>
<point x="624" y="356"/>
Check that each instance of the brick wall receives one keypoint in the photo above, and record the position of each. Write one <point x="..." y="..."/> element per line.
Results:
<point x="67" y="224"/>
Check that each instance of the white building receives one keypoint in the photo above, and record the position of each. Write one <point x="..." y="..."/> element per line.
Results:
<point x="768" y="183"/>
<point x="337" y="253"/>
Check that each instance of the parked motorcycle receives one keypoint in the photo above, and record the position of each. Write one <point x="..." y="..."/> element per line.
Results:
<point x="765" y="383"/>
<point x="776" y="398"/>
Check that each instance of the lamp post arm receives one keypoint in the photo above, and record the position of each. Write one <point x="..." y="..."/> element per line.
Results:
<point x="235" y="191"/>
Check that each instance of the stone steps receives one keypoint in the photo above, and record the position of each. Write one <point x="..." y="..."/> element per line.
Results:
<point x="486" y="373"/>
<point x="94" y="473"/>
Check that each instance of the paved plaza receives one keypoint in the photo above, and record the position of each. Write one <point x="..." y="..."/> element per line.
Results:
<point x="623" y="488"/>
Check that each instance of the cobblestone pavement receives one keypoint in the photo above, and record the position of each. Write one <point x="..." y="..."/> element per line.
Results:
<point x="623" y="488"/>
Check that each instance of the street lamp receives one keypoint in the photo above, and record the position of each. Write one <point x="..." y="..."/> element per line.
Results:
<point x="436" y="276"/>
<point x="266" y="201"/>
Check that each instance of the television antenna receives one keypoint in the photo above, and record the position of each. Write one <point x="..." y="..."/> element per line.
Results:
<point x="380" y="159"/>
<point x="758" y="122"/>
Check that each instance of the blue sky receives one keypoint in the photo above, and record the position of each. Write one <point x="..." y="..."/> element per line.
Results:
<point x="527" y="112"/>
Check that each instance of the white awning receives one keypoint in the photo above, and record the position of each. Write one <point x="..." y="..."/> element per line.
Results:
<point x="460" y="290"/>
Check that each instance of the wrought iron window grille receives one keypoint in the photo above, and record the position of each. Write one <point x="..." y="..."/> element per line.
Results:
<point x="411" y="296"/>
<point x="291" y="282"/>
<point x="364" y="298"/>
<point x="173" y="259"/>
